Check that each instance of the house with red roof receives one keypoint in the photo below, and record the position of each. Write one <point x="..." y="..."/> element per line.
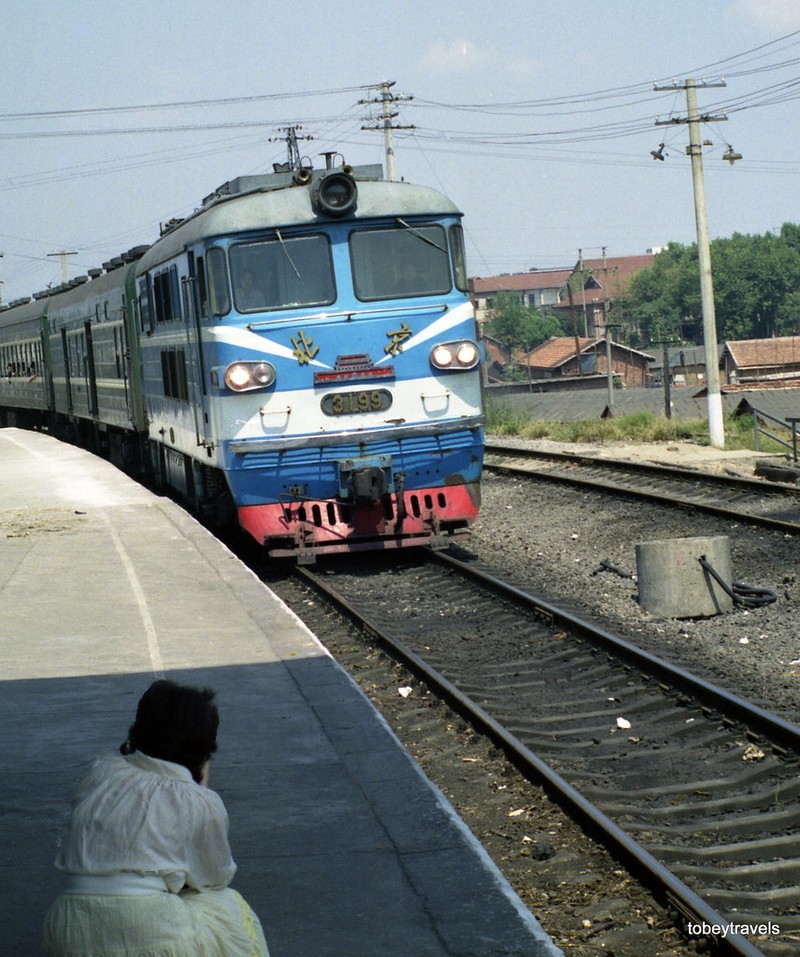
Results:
<point x="568" y="356"/>
<point x="774" y="360"/>
<point x="537" y="289"/>
<point x="604" y="281"/>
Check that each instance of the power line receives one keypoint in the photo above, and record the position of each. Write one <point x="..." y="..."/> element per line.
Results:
<point x="180" y="104"/>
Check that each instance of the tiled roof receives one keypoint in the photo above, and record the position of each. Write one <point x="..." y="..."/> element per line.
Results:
<point x="521" y="282"/>
<point x="561" y="349"/>
<point x="613" y="273"/>
<point x="558" y="350"/>
<point x="761" y="353"/>
<point x="494" y="352"/>
<point x="577" y="405"/>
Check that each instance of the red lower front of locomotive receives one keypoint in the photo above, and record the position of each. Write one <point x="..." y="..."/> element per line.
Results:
<point x="307" y="528"/>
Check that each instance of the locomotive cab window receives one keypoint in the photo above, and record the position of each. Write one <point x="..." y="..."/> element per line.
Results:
<point x="218" y="282"/>
<point x="409" y="260"/>
<point x="282" y="273"/>
<point x="458" y="258"/>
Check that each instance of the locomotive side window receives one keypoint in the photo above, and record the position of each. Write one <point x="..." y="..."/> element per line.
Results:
<point x="458" y="258"/>
<point x="166" y="295"/>
<point x="175" y="292"/>
<point x="282" y="273"/>
<point x="160" y="302"/>
<point x="144" y="306"/>
<point x="173" y="372"/>
<point x="406" y="261"/>
<point x="218" y="282"/>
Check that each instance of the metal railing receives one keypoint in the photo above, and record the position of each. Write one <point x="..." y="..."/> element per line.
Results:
<point x="761" y="421"/>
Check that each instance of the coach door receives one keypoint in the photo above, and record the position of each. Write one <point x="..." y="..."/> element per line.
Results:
<point x="91" y="372"/>
<point x="67" y="377"/>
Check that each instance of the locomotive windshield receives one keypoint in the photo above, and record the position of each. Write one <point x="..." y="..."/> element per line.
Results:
<point x="403" y="261"/>
<point x="282" y="273"/>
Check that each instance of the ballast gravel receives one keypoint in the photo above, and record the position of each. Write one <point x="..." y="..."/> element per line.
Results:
<point x="554" y="538"/>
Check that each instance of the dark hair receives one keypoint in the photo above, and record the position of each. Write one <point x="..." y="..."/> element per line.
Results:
<point x="175" y="723"/>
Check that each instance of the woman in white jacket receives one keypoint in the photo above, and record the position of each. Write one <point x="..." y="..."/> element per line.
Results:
<point x="146" y="856"/>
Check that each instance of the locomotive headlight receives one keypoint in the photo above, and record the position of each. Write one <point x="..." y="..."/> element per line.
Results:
<point x="335" y="194"/>
<point x="264" y="374"/>
<point x="245" y="376"/>
<point x="462" y="354"/>
<point x="467" y="354"/>
<point x="442" y="357"/>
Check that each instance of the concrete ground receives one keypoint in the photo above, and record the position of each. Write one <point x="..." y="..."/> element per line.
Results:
<point x="344" y="848"/>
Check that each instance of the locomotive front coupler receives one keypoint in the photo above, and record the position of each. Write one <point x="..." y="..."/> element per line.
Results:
<point x="365" y="480"/>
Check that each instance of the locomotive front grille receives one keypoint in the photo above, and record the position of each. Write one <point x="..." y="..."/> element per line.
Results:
<point x="334" y="514"/>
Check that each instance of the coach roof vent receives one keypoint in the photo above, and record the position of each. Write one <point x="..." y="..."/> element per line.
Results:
<point x="94" y="273"/>
<point x="135" y="252"/>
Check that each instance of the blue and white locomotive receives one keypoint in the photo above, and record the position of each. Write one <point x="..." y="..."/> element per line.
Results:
<point x="300" y="354"/>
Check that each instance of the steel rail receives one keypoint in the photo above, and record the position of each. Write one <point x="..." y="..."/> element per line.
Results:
<point x="654" y="468"/>
<point x="791" y="528"/>
<point x="676" y="895"/>
<point x="777" y="729"/>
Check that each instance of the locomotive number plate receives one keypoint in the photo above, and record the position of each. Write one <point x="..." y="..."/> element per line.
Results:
<point x="349" y="403"/>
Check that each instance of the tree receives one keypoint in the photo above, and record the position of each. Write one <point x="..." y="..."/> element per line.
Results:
<point x="755" y="278"/>
<point x="519" y="329"/>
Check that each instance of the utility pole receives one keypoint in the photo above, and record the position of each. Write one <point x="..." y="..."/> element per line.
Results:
<point x="63" y="254"/>
<point x="583" y="293"/>
<point x="694" y="151"/>
<point x="291" y="138"/>
<point x="609" y="365"/>
<point x="386" y="100"/>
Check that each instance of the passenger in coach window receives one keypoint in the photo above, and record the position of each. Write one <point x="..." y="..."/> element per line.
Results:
<point x="146" y="855"/>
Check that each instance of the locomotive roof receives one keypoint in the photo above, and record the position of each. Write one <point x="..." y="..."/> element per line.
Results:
<point x="246" y="204"/>
<point x="290" y="205"/>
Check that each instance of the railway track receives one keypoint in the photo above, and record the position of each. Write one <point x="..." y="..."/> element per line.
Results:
<point x="770" y="504"/>
<point x="695" y="789"/>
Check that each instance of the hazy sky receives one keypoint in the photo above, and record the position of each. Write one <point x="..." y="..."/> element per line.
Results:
<point x="536" y="117"/>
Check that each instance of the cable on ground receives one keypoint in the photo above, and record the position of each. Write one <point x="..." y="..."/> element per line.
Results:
<point x="747" y="596"/>
<point x="606" y="566"/>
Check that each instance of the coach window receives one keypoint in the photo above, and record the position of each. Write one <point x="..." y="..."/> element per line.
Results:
<point x="411" y="260"/>
<point x="218" y="282"/>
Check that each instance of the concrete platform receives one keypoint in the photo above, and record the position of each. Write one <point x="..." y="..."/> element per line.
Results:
<point x="344" y="848"/>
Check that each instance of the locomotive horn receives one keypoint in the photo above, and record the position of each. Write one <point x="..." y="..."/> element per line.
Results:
<point x="302" y="176"/>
